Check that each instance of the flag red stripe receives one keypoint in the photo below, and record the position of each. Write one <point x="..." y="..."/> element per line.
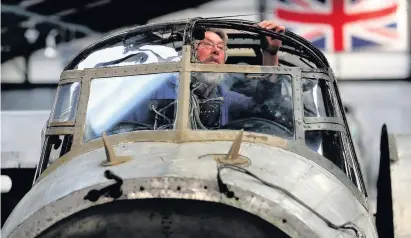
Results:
<point x="337" y="19"/>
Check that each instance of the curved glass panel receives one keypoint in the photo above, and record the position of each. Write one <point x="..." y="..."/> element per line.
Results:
<point x="65" y="107"/>
<point x="53" y="147"/>
<point x="228" y="46"/>
<point x="328" y="144"/>
<point x="251" y="46"/>
<point x="353" y="164"/>
<point x="131" y="103"/>
<point x="339" y="108"/>
<point x="335" y="146"/>
<point x="317" y="98"/>
<point x="122" y="56"/>
<point x="158" y="46"/>
<point x="254" y="102"/>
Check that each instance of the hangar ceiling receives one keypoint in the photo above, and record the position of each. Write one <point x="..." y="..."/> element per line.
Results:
<point x="25" y="24"/>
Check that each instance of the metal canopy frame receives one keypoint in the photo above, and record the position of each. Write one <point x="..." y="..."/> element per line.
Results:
<point x="182" y="132"/>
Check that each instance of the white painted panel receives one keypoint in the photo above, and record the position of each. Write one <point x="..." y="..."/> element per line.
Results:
<point x="21" y="138"/>
<point x="370" y="65"/>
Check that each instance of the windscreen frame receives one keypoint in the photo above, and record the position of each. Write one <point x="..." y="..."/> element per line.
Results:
<point x="185" y="67"/>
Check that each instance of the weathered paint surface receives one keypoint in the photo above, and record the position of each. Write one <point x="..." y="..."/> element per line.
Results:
<point x="162" y="164"/>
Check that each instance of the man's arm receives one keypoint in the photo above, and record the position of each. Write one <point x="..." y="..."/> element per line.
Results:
<point x="269" y="59"/>
<point x="271" y="46"/>
<point x="237" y="104"/>
<point x="267" y="97"/>
<point x="261" y="91"/>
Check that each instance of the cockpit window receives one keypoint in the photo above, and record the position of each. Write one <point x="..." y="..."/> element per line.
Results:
<point x="317" y="98"/>
<point x="131" y="103"/>
<point x="328" y="144"/>
<point x="65" y="107"/>
<point x="157" y="46"/>
<point x="121" y="55"/>
<point x="254" y="102"/>
<point x="231" y="46"/>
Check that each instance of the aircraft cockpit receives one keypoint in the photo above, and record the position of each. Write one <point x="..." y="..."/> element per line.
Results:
<point x="196" y="127"/>
<point x="146" y="84"/>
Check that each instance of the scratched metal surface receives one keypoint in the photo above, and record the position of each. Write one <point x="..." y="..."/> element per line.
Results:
<point x="400" y="182"/>
<point x="159" y="164"/>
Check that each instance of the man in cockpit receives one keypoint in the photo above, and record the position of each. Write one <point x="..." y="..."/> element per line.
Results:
<point x="212" y="50"/>
<point x="208" y="87"/>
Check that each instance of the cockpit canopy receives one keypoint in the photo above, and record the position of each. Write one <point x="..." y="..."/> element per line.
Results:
<point x="148" y="78"/>
<point x="243" y="46"/>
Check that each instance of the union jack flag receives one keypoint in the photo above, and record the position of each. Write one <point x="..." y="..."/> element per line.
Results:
<point x="342" y="25"/>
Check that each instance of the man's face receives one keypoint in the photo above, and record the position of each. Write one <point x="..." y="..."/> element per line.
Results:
<point x="211" y="50"/>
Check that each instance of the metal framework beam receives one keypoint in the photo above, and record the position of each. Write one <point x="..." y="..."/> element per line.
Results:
<point x="50" y="19"/>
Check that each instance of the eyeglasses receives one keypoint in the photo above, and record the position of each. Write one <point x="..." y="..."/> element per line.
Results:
<point x="210" y="45"/>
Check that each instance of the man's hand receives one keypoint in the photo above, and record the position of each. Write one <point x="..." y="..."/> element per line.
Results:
<point x="273" y="45"/>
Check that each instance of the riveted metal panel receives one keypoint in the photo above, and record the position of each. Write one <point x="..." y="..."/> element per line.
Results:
<point x="170" y="170"/>
<point x="329" y="166"/>
<point x="60" y="131"/>
<point x="166" y="136"/>
<point x="65" y="123"/>
<point x="81" y="110"/>
<point x="315" y="70"/>
<point x="71" y="74"/>
<point x="232" y="68"/>
<point x="324" y="127"/>
<point x="182" y="116"/>
<point x="131" y="70"/>
<point x="298" y="108"/>
<point x="69" y="80"/>
<point x="316" y="75"/>
<point x="313" y="120"/>
<point x="152" y="188"/>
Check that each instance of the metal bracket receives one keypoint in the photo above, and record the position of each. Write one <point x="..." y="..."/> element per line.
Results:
<point x="112" y="158"/>
<point x="233" y="157"/>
